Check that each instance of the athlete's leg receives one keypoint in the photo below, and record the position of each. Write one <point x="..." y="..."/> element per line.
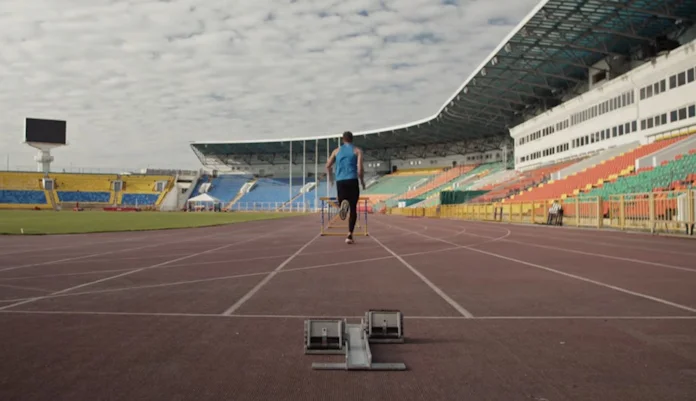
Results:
<point x="352" y="197"/>
<point x="342" y="192"/>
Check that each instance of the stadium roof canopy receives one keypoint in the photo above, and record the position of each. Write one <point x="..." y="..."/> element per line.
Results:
<point x="544" y="61"/>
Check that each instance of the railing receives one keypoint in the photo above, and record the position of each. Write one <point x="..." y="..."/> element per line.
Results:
<point x="294" y="207"/>
<point x="665" y="212"/>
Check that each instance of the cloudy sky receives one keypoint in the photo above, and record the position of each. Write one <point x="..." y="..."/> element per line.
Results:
<point x="138" y="80"/>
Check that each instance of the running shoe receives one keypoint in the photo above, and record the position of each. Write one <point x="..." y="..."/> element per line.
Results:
<point x="345" y="208"/>
<point x="349" y="240"/>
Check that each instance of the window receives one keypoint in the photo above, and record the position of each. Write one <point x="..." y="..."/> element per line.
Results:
<point x="656" y="88"/>
<point x="663" y="86"/>
<point x="663" y="118"/>
<point x="672" y="82"/>
<point x="613" y="132"/>
<point x="690" y="75"/>
<point x="681" y="78"/>
<point x="682" y="114"/>
<point x="657" y="121"/>
<point x="623" y="100"/>
<point x="642" y="124"/>
<point x="650" y="123"/>
<point x="621" y="130"/>
<point x="673" y="116"/>
<point x="627" y="128"/>
<point x="692" y="111"/>
<point x="642" y="93"/>
<point x="649" y="91"/>
<point x="634" y="126"/>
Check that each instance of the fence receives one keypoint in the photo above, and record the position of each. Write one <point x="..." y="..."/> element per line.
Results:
<point x="296" y="207"/>
<point x="668" y="212"/>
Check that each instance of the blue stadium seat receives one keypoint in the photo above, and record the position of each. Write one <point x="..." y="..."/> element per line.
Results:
<point x="271" y="192"/>
<point x="139" y="199"/>
<point x="20" y="197"/>
<point x="226" y="187"/>
<point x="87" y="197"/>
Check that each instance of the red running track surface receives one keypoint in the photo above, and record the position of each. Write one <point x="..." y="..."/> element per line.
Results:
<point x="493" y="312"/>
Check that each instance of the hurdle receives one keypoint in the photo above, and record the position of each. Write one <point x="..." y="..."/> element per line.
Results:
<point x="327" y="336"/>
<point x="331" y="223"/>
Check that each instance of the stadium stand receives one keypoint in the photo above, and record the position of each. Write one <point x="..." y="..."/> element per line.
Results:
<point x="19" y="190"/>
<point x="397" y="183"/>
<point x="141" y="190"/>
<point x="520" y="182"/>
<point x="437" y="181"/>
<point x="607" y="170"/>
<point x="226" y="187"/>
<point x="84" y="188"/>
<point x="269" y="193"/>
<point x="675" y="175"/>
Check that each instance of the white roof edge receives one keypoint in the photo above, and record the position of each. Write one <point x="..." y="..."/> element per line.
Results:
<point x="500" y="46"/>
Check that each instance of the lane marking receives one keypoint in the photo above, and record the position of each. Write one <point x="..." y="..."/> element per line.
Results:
<point x="573" y="276"/>
<point x="135" y="271"/>
<point x="266" y="279"/>
<point x="429" y="283"/>
<point x="600" y="255"/>
<point x="304" y="317"/>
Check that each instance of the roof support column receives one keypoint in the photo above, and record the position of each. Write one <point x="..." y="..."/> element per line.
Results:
<point x="327" y="160"/>
<point x="304" y="175"/>
<point x="290" y="174"/>
<point x="316" y="174"/>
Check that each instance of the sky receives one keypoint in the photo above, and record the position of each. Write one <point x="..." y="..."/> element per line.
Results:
<point x="138" y="80"/>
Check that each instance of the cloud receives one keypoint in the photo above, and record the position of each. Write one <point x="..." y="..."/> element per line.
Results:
<point x="138" y="80"/>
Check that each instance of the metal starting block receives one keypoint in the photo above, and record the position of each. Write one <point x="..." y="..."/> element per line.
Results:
<point x="325" y="336"/>
<point x="384" y="326"/>
<point x="354" y="340"/>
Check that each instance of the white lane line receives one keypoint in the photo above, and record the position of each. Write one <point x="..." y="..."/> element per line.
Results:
<point x="599" y="255"/>
<point x="19" y="287"/>
<point x="201" y="280"/>
<point x="135" y="271"/>
<point x="429" y="283"/>
<point x="266" y="279"/>
<point x="307" y="316"/>
<point x="100" y="254"/>
<point x="573" y="276"/>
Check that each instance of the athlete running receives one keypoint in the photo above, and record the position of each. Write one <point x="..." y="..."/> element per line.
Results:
<point x="349" y="169"/>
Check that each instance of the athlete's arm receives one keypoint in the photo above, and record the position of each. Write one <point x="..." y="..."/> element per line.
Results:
<point x="329" y="166"/>
<point x="361" y="171"/>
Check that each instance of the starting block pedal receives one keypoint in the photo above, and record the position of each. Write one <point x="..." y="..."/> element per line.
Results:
<point x="384" y="326"/>
<point x="353" y="340"/>
<point x="325" y="336"/>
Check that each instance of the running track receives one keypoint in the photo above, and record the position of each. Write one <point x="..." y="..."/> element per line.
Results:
<point x="493" y="312"/>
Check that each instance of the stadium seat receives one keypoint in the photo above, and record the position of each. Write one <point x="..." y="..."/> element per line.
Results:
<point x="438" y="181"/>
<point x="141" y="190"/>
<point x="83" y="188"/>
<point x="20" y="190"/>
<point x="593" y="176"/>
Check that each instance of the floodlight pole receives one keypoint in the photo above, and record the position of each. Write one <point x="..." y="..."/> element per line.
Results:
<point x="316" y="175"/>
<point x="290" y="183"/>
<point x="304" y="176"/>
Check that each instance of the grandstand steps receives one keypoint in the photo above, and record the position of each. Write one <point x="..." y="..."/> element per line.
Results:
<point x="235" y="200"/>
<point x="596" y="175"/>
<point x="50" y="196"/>
<point x="583" y="165"/>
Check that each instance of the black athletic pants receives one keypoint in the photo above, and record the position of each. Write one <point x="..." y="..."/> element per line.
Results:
<point x="349" y="190"/>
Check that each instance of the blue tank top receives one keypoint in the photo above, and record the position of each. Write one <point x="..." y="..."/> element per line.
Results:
<point x="346" y="163"/>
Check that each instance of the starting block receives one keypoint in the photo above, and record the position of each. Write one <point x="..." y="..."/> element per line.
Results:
<point x="324" y="336"/>
<point x="353" y="340"/>
<point x="331" y="223"/>
<point x="384" y="326"/>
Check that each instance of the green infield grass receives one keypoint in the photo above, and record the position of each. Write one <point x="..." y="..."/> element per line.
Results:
<point x="69" y="222"/>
